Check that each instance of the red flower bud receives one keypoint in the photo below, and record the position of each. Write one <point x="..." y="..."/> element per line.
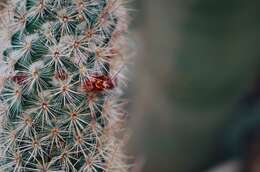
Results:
<point x="19" y="79"/>
<point x="99" y="83"/>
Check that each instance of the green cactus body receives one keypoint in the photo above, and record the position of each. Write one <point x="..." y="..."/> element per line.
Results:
<point x="61" y="67"/>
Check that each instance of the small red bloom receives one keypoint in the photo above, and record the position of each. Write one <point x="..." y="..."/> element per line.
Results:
<point x="99" y="83"/>
<point x="19" y="79"/>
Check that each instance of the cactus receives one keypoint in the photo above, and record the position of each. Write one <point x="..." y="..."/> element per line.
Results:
<point x="62" y="64"/>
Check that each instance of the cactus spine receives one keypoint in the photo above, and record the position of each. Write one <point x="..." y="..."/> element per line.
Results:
<point x="61" y="66"/>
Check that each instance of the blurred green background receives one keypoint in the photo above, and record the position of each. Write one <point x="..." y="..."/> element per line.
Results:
<point x="194" y="88"/>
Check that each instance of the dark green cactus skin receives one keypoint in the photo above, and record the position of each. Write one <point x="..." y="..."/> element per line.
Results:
<point x="58" y="82"/>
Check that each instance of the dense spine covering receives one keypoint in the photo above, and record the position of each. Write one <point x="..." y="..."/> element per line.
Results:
<point x="62" y="68"/>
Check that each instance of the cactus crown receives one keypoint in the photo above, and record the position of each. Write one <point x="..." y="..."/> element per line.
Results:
<point x="62" y="68"/>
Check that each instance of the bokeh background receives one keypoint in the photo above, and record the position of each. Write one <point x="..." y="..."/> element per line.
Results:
<point x="195" y="85"/>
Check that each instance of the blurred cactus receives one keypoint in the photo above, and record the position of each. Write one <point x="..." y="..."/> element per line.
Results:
<point x="62" y="68"/>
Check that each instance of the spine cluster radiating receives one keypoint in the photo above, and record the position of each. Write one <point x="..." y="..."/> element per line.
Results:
<point x="62" y="64"/>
